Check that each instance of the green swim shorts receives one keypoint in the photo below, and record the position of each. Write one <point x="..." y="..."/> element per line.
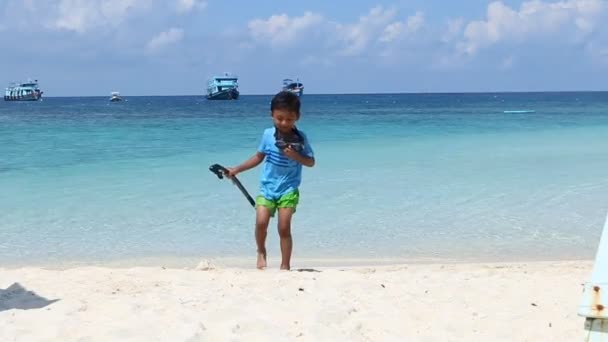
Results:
<point x="289" y="200"/>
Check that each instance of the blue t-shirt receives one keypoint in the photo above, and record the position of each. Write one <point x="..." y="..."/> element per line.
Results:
<point x="280" y="174"/>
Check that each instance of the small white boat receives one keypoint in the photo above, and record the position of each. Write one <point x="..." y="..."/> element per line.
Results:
<point x="296" y="87"/>
<point x="224" y="87"/>
<point x="115" y="97"/>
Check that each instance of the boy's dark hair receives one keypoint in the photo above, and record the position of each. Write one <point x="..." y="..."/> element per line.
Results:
<point x="285" y="100"/>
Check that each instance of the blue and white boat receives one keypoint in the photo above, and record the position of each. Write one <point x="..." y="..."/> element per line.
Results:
<point x="27" y="91"/>
<point x="293" y="87"/>
<point x="115" y="97"/>
<point x="224" y="87"/>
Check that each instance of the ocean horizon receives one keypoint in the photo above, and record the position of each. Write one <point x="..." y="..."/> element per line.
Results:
<point x="353" y="93"/>
<point x="399" y="176"/>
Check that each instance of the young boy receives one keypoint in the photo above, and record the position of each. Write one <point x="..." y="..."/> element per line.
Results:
<point x="284" y="149"/>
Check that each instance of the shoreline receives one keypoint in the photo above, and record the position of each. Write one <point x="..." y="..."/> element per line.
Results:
<point x="246" y="262"/>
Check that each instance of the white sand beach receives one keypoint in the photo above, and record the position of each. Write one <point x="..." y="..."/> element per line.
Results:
<point x="534" y="301"/>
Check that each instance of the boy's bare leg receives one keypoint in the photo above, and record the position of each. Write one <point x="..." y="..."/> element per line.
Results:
<point x="262" y="218"/>
<point x="285" y="235"/>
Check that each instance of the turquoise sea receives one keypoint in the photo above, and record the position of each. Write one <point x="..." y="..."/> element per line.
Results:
<point x="411" y="177"/>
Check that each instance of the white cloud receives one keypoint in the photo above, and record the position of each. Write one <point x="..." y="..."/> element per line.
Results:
<point x="357" y="36"/>
<point x="378" y="25"/>
<point x="397" y="29"/>
<point x="185" y="6"/>
<point x="378" y="32"/>
<point x="350" y="39"/>
<point x="83" y="15"/>
<point x="533" y="18"/>
<point x="171" y="36"/>
<point x="415" y="22"/>
<point x="281" y="29"/>
<point x="391" y="32"/>
<point x="76" y="16"/>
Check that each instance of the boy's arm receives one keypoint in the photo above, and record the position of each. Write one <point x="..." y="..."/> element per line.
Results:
<point x="306" y="157"/>
<point x="304" y="160"/>
<point x="250" y="163"/>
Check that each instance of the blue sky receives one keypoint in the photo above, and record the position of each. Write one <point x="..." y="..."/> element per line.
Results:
<point x="170" y="47"/>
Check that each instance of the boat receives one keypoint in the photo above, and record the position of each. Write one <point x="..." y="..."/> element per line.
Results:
<point x="224" y="87"/>
<point x="27" y="91"/>
<point x="115" y="97"/>
<point x="293" y="87"/>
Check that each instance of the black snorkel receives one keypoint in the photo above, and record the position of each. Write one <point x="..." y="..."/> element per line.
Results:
<point x="221" y="171"/>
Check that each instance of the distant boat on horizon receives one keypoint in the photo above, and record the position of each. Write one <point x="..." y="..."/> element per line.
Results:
<point x="296" y="87"/>
<point x="115" y="97"/>
<point x="225" y="87"/>
<point x="28" y="91"/>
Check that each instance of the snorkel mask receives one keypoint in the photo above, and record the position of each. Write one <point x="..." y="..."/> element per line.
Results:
<point x="293" y="140"/>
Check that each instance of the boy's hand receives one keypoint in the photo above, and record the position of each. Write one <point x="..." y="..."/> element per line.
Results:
<point x="231" y="172"/>
<point x="295" y="155"/>
<point x="291" y="153"/>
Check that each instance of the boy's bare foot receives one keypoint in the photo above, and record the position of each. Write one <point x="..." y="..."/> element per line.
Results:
<point x="285" y="267"/>
<point x="261" y="264"/>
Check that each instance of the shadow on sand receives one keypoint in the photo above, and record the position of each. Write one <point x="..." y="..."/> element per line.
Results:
<point x="306" y="270"/>
<point x="18" y="297"/>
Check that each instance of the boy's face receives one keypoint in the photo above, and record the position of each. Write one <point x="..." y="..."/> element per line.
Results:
<point x="284" y="120"/>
